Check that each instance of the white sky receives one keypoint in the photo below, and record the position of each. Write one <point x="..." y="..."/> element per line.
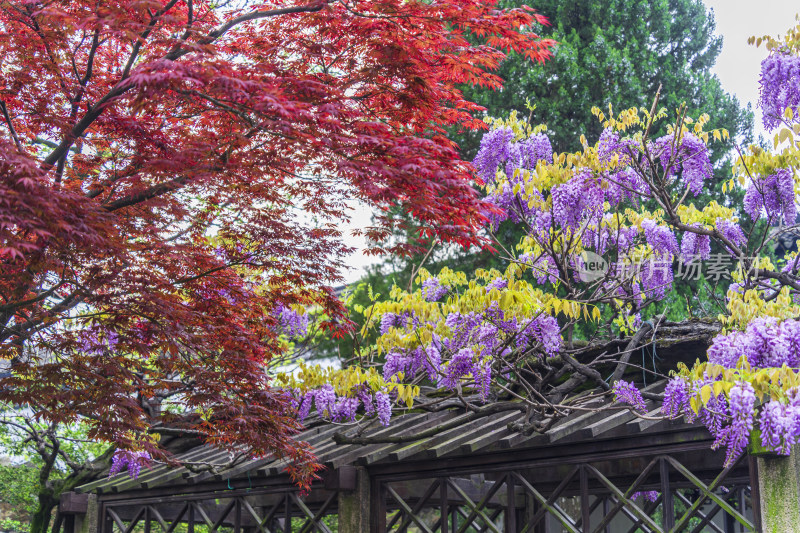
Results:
<point x="738" y="68"/>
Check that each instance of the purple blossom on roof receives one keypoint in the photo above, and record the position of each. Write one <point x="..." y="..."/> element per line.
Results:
<point x="305" y="406"/>
<point x="545" y="329"/>
<point x="133" y="461"/>
<point x="482" y="374"/>
<point x="577" y="200"/>
<point x="459" y="366"/>
<point x="626" y="392"/>
<point x="660" y="238"/>
<point x="433" y="290"/>
<point x="726" y="350"/>
<point x="691" y="158"/>
<point x="427" y="359"/>
<point x="367" y="401"/>
<point x="462" y="326"/>
<point x="773" y="194"/>
<point x="325" y="401"/>
<point x="383" y="405"/>
<point x="676" y="398"/>
<point x="731" y="231"/>
<point x="345" y="409"/>
<point x="694" y="245"/>
<point x="780" y="87"/>
<point x="715" y="416"/>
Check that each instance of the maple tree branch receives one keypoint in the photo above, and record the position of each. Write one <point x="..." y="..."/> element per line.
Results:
<point x="221" y="30"/>
<point x="121" y="88"/>
<point x="46" y="294"/>
<point x="154" y="18"/>
<point x="147" y="194"/>
<point x="14" y="136"/>
<point x="90" y="60"/>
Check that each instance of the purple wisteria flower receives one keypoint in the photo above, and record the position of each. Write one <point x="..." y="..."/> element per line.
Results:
<point x="433" y="290"/>
<point x="393" y="320"/>
<point x="305" y="406"/>
<point x="690" y="158"/>
<point x="383" y="406"/>
<point x="695" y="246"/>
<point x="134" y="461"/>
<point x="543" y="268"/>
<point x="766" y="342"/>
<point x="494" y="152"/>
<point x="661" y="238"/>
<point x="777" y="424"/>
<point x="742" y="410"/>
<point x="293" y="324"/>
<point x="676" y="398"/>
<point x="731" y="231"/>
<point x="325" y="401"/>
<point x="626" y="392"/>
<point x="780" y="87"/>
<point x="649" y="495"/>
<point x="577" y="200"/>
<point x="497" y="283"/>
<point x="773" y="194"/>
<point x="500" y="150"/>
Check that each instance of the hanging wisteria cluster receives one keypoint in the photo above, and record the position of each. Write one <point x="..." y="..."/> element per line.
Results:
<point x="780" y="87"/>
<point x="293" y="324"/>
<point x="130" y="461"/>
<point x="728" y="404"/>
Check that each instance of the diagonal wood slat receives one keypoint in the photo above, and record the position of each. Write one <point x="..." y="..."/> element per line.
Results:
<point x="477" y="509"/>
<point x="708" y="491"/>
<point x="406" y="509"/>
<point x="623" y="497"/>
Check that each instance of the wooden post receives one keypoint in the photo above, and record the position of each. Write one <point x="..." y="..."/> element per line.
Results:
<point x="79" y="512"/>
<point x="779" y="492"/>
<point x="354" y="505"/>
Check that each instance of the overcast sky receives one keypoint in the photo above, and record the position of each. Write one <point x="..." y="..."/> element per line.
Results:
<point x="738" y="68"/>
<point x="739" y="64"/>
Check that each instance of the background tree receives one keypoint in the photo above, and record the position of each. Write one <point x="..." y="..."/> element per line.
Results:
<point x="615" y="53"/>
<point x="173" y="175"/>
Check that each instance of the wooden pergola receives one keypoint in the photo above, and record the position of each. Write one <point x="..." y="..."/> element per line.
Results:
<point x="602" y="472"/>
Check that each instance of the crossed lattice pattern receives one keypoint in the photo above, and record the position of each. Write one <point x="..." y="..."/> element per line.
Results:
<point x="664" y="496"/>
<point x="251" y="513"/>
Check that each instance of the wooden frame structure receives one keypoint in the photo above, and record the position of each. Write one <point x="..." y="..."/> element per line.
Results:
<point x="600" y="472"/>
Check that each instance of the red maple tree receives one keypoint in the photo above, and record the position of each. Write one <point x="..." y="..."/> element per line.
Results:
<point x="171" y="171"/>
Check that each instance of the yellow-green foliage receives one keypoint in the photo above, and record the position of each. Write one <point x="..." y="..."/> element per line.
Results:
<point x="768" y="383"/>
<point x="346" y="382"/>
